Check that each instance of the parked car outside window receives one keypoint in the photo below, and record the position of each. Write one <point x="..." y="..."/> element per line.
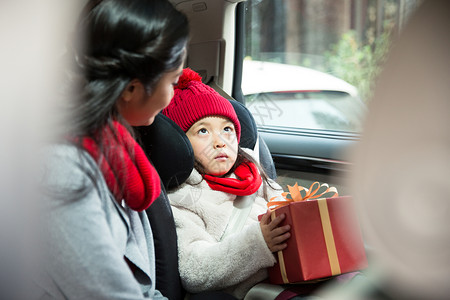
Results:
<point x="299" y="97"/>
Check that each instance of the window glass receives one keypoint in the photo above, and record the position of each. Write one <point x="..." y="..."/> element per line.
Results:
<point x="312" y="63"/>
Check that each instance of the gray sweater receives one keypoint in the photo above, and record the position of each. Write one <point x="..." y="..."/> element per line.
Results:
<point x="89" y="234"/>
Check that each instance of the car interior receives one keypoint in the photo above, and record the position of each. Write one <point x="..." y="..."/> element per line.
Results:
<point x="384" y="139"/>
<point x="215" y="51"/>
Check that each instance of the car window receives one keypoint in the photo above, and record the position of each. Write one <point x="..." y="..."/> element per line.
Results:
<point x="312" y="64"/>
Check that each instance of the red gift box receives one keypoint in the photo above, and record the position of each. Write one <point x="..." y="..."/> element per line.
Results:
<point x="325" y="241"/>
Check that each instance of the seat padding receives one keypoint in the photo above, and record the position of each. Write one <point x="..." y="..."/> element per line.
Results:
<point x="249" y="137"/>
<point x="169" y="149"/>
<point x="249" y="132"/>
<point x="166" y="252"/>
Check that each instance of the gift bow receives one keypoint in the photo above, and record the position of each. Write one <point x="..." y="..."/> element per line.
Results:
<point x="299" y="193"/>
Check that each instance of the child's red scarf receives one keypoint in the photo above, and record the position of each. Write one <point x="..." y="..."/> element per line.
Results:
<point x="248" y="181"/>
<point x="125" y="167"/>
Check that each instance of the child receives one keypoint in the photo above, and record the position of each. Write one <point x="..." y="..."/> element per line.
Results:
<point x="202" y="206"/>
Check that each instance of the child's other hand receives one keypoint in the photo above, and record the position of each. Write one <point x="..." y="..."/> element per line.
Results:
<point x="274" y="235"/>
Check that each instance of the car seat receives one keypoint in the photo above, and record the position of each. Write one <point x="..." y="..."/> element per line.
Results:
<point x="170" y="151"/>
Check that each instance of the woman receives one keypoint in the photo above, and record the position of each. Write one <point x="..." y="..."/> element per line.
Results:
<point x="97" y="179"/>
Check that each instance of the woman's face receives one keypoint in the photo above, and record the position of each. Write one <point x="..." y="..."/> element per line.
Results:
<point x="140" y="108"/>
<point x="215" y="144"/>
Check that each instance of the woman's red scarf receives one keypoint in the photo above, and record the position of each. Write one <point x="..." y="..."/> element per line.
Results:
<point x="125" y="167"/>
<point x="248" y="181"/>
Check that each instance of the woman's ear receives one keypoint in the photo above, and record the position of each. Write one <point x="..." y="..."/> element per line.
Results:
<point x="133" y="90"/>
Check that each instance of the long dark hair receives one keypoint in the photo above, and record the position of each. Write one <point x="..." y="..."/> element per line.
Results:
<point x="118" y="41"/>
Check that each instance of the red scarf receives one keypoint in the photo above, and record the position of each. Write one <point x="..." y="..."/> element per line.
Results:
<point x="248" y="182"/>
<point x="125" y="167"/>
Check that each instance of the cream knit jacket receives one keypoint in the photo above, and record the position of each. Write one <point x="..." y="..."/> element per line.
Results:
<point x="201" y="215"/>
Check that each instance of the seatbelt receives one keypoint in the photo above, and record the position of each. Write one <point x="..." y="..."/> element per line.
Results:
<point x="242" y="206"/>
<point x="266" y="291"/>
<point x="256" y="149"/>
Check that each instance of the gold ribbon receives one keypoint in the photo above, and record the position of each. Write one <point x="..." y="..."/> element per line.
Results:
<point x="328" y="235"/>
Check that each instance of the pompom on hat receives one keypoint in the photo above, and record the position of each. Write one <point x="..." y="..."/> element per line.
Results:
<point x="194" y="100"/>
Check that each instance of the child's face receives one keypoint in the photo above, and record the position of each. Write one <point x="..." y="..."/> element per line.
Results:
<point x="215" y="144"/>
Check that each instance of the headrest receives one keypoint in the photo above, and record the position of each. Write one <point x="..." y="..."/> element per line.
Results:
<point x="249" y="132"/>
<point x="170" y="151"/>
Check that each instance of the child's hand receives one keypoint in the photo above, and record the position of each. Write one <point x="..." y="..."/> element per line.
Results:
<point x="274" y="235"/>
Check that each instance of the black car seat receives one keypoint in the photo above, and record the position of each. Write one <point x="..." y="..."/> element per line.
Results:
<point x="170" y="151"/>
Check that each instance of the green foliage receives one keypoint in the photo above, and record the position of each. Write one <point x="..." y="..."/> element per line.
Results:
<point x="358" y="64"/>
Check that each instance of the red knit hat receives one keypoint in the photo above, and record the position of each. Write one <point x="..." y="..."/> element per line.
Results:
<point x="194" y="100"/>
